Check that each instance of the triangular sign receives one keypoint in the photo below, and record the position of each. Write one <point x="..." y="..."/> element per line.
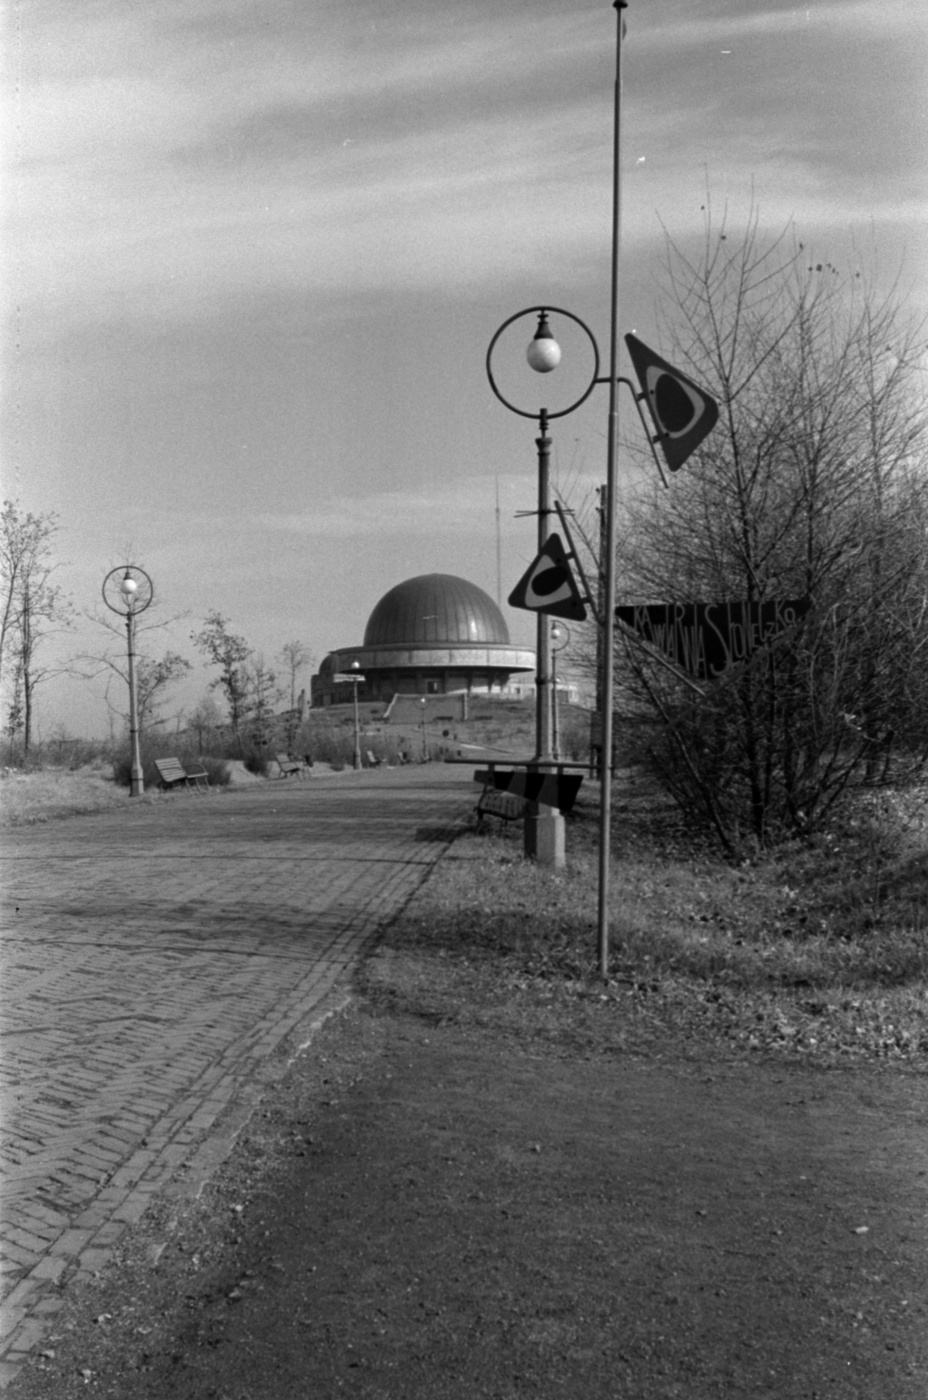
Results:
<point x="548" y="586"/>
<point x="683" y="413"/>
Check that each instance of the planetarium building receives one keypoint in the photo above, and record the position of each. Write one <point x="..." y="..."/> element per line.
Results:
<point x="431" y="635"/>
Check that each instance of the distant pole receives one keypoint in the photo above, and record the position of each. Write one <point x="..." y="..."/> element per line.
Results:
<point x="356" y="666"/>
<point x="425" y="742"/>
<point x="558" y="631"/>
<point x="499" y="553"/>
<point x="608" y="616"/>
<point x="136" y="774"/>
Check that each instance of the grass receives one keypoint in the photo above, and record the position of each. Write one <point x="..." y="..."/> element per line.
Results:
<point x="813" y="950"/>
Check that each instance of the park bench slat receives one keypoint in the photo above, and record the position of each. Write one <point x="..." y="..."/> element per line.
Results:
<point x="506" y="805"/>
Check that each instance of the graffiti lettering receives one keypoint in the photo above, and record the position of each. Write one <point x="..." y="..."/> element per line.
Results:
<point x="706" y="639"/>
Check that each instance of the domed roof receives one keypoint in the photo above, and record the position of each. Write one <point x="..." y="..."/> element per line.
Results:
<point x="435" y="610"/>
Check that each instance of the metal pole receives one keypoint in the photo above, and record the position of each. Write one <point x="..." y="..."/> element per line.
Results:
<point x="136" y="774"/>
<point x="555" y="727"/>
<point x="608" y="616"/>
<point x="357" y="729"/>
<point x="543" y="631"/>
<point x="543" y="838"/>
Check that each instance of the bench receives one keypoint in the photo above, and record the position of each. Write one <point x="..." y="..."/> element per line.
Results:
<point x="508" y="806"/>
<point x="171" y="771"/>
<point x="287" y="765"/>
<point x="372" y="760"/>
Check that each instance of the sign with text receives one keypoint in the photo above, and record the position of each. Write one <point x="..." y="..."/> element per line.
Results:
<point x="706" y="639"/>
<point x="342" y="678"/>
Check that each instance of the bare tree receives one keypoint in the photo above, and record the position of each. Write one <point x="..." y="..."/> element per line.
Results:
<point x="32" y="607"/>
<point x="230" y="653"/>
<point x="153" y="681"/>
<point x="204" y="721"/>
<point x="154" y="676"/>
<point x="264" y="695"/>
<point x="295" y="656"/>
<point x="813" y="484"/>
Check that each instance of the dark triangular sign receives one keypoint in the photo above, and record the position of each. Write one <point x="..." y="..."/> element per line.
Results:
<point x="548" y="586"/>
<point x="683" y="413"/>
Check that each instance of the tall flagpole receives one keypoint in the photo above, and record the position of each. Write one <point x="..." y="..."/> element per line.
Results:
<point x="608" y="619"/>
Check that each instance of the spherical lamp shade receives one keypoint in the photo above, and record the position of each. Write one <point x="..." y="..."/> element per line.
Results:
<point x="543" y="353"/>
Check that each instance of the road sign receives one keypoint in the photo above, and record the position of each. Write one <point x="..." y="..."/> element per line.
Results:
<point x="548" y="586"/>
<point x="708" y="638"/>
<point x="683" y="414"/>
<point x="341" y="677"/>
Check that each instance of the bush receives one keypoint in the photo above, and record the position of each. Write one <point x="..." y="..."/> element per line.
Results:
<point x="217" y="771"/>
<point x="59" y="753"/>
<point x="256" y="760"/>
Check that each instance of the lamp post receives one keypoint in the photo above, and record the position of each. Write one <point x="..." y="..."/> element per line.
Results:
<point x="356" y="679"/>
<point x="558" y="631"/>
<point x="544" y="826"/>
<point x="128" y="591"/>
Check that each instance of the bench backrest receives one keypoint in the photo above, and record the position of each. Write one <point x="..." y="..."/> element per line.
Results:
<point x="170" y="768"/>
<point x="502" y="804"/>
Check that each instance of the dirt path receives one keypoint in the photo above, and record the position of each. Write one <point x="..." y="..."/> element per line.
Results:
<point x="423" y="1211"/>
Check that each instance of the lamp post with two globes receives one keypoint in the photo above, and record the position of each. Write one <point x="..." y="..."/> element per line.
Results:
<point x="128" y="596"/>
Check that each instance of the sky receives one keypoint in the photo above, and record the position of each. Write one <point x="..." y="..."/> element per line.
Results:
<point x="256" y="250"/>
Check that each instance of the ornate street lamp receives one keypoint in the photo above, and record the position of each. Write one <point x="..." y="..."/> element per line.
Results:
<point x="544" y="826"/>
<point x="128" y="591"/>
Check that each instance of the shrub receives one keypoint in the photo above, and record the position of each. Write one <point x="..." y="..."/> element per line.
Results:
<point x="256" y="760"/>
<point x="217" y="771"/>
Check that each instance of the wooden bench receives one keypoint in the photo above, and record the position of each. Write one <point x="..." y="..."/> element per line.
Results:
<point x="506" y="805"/>
<point x="171" y="771"/>
<point x="288" y="765"/>
<point x="372" y="760"/>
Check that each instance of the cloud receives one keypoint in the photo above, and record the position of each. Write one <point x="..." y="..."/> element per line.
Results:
<point x="456" y="506"/>
<point x="171" y="156"/>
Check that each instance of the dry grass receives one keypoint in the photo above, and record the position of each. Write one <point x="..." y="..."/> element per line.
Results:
<point x="26" y="798"/>
<point x="815" y="950"/>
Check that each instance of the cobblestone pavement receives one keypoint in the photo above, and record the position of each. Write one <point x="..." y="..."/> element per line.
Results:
<point x="155" y="958"/>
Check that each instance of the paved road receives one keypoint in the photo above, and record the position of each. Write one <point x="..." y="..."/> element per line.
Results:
<point x="155" y="958"/>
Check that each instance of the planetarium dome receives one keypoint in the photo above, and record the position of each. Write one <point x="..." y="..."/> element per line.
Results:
<point x="436" y="610"/>
<point x="430" y="635"/>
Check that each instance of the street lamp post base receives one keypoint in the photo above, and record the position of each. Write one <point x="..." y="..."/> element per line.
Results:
<point x="544" y="836"/>
<point x="136" y="782"/>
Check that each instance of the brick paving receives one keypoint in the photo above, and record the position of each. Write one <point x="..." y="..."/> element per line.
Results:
<point x="155" y="958"/>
